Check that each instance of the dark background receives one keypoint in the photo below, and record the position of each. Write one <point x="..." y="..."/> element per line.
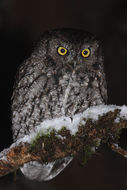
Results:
<point x="21" y="23"/>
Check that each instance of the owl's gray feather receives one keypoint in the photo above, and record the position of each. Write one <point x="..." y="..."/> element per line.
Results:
<point x="49" y="85"/>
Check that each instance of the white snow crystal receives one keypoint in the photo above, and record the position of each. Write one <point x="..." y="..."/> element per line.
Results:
<point x="123" y="113"/>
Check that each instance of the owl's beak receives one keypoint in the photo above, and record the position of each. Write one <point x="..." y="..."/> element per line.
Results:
<point x="72" y="65"/>
<point x="75" y="63"/>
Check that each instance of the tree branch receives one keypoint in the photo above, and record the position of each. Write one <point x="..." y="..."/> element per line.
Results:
<point x="92" y="131"/>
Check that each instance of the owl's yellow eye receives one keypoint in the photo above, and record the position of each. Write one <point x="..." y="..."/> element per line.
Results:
<point x="62" y="51"/>
<point x="86" y="52"/>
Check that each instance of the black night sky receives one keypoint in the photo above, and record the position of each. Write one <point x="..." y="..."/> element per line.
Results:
<point x="21" y="24"/>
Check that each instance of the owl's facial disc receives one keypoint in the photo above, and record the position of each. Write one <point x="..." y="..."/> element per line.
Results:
<point x="70" y="50"/>
<point x="85" y="53"/>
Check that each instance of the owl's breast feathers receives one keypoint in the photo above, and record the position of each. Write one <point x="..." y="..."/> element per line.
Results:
<point x="50" y="94"/>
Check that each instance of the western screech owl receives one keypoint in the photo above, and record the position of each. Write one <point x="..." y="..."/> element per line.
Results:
<point x="63" y="76"/>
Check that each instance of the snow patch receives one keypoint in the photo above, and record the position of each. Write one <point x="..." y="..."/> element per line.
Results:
<point x="123" y="112"/>
<point x="3" y="154"/>
<point x="72" y="123"/>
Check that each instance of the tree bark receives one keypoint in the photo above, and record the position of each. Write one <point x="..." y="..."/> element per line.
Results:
<point x="90" y="135"/>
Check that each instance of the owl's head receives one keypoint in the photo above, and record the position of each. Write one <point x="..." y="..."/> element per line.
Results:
<point x="71" y="49"/>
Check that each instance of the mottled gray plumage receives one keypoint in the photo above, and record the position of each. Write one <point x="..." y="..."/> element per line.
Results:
<point x="50" y="85"/>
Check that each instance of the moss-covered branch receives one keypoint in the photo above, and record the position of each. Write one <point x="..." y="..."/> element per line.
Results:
<point x="58" y="144"/>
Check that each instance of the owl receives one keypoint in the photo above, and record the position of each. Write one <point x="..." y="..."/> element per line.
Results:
<point x="63" y="76"/>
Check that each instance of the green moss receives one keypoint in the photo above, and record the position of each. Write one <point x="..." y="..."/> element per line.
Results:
<point x="50" y="135"/>
<point x="89" y="150"/>
<point x="70" y="145"/>
<point x="36" y="139"/>
<point x="87" y="153"/>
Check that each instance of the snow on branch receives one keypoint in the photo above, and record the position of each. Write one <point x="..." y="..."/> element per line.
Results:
<point x="64" y="136"/>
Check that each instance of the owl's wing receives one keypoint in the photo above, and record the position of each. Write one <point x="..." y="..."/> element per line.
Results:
<point x="42" y="172"/>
